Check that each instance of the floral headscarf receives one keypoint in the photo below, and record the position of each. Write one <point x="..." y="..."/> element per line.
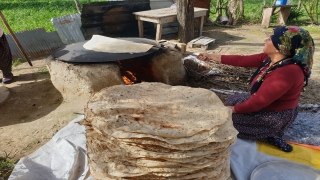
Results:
<point x="295" y="42"/>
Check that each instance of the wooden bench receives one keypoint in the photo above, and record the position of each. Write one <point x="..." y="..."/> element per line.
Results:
<point x="201" y="42"/>
<point x="282" y="17"/>
<point x="165" y="15"/>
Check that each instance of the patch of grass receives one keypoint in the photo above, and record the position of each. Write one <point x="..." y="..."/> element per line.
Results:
<point x="253" y="13"/>
<point x="31" y="14"/>
<point x="43" y="71"/>
<point x="6" y="166"/>
<point x="31" y="145"/>
<point x="295" y="14"/>
<point x="17" y="62"/>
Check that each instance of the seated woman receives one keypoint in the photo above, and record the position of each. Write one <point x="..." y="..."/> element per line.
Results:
<point x="283" y="72"/>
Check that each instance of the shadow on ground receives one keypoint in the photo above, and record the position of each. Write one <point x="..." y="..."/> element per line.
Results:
<point x="33" y="97"/>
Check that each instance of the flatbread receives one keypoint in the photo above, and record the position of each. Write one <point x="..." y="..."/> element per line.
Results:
<point x="157" y="131"/>
<point x="158" y="109"/>
<point x="113" y="45"/>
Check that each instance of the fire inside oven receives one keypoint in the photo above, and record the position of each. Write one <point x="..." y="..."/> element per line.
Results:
<point x="136" y="70"/>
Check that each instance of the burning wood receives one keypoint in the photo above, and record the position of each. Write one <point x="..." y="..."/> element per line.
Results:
<point x="129" y="78"/>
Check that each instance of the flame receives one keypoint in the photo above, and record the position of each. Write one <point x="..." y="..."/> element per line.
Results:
<point x="130" y="75"/>
<point x="129" y="78"/>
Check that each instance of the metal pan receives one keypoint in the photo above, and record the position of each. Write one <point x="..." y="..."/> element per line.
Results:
<point x="76" y="53"/>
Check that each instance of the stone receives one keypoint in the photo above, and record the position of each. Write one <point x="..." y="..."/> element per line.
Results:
<point x="74" y="80"/>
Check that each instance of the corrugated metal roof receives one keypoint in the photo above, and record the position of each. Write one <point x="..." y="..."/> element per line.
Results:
<point x="68" y="28"/>
<point x="36" y="43"/>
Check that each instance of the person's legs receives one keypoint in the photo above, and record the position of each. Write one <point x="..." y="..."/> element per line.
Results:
<point x="279" y="143"/>
<point x="5" y="60"/>
<point x="266" y="126"/>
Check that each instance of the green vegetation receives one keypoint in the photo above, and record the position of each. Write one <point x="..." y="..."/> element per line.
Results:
<point x="17" y="62"/>
<point x="31" y="145"/>
<point x="6" y="166"/>
<point x="31" y="14"/>
<point x="253" y="12"/>
<point x="43" y="71"/>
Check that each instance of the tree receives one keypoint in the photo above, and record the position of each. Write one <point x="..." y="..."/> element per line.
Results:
<point x="312" y="9"/>
<point x="235" y="7"/>
<point x="185" y="16"/>
<point x="77" y="5"/>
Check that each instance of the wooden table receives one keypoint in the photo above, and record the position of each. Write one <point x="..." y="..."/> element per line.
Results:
<point x="165" y="15"/>
<point x="283" y="14"/>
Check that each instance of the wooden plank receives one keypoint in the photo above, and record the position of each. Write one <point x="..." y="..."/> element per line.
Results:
<point x="200" y="13"/>
<point x="158" y="13"/>
<point x="201" y="25"/>
<point x="201" y="42"/>
<point x="149" y="19"/>
<point x="102" y="7"/>
<point x="140" y="26"/>
<point x="281" y="6"/>
<point x="120" y="27"/>
<point x="266" y="16"/>
<point x="159" y="32"/>
<point x="168" y="19"/>
<point x="107" y="19"/>
<point x="169" y="30"/>
<point x="166" y="12"/>
<point x="283" y="15"/>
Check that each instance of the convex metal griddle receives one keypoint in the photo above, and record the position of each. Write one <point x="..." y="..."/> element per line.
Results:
<point x="76" y="53"/>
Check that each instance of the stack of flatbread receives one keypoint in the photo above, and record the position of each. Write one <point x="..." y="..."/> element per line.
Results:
<point x="156" y="131"/>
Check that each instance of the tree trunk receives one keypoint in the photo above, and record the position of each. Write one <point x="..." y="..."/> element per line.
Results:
<point x="241" y="7"/>
<point x="185" y="16"/>
<point x="299" y="4"/>
<point x="232" y="12"/>
<point x="78" y="6"/>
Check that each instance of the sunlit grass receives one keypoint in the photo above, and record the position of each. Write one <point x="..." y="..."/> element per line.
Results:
<point x="253" y="12"/>
<point x="31" y="14"/>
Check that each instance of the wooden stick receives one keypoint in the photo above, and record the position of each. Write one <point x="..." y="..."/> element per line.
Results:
<point x="274" y="2"/>
<point x="15" y="38"/>
<point x="77" y="6"/>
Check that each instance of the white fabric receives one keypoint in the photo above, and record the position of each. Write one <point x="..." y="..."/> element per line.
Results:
<point x="64" y="157"/>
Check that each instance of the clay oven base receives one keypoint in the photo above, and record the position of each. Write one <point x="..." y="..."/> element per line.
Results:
<point x="74" y="80"/>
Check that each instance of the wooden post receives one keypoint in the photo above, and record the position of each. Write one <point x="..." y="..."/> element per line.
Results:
<point x="78" y="6"/>
<point x="15" y="38"/>
<point x="185" y="16"/>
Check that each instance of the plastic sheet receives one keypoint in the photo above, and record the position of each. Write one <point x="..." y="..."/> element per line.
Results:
<point x="193" y="58"/>
<point x="305" y="128"/>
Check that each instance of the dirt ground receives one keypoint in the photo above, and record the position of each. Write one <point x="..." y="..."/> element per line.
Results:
<point x="36" y="109"/>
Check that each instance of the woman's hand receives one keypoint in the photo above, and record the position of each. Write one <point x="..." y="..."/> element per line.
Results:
<point x="208" y="57"/>
<point x="232" y="108"/>
<point x="204" y="57"/>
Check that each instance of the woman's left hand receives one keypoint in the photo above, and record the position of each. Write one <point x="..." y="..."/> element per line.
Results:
<point x="232" y="108"/>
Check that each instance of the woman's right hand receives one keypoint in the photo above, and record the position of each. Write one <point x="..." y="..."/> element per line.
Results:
<point x="204" y="57"/>
<point x="208" y="57"/>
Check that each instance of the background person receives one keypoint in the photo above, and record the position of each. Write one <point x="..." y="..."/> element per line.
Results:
<point x="283" y="71"/>
<point x="5" y="59"/>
